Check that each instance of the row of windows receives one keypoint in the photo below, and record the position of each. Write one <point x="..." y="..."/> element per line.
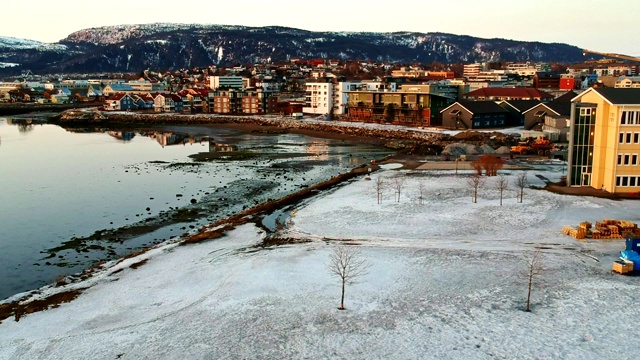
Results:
<point x="630" y="118"/>
<point x="627" y="159"/>
<point x="488" y="123"/>
<point x="629" y="138"/>
<point x="627" y="180"/>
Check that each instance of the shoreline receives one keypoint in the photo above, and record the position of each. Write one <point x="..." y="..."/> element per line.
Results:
<point x="340" y="129"/>
<point x="24" y="303"/>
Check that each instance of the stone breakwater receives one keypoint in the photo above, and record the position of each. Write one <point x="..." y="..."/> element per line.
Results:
<point x="98" y="118"/>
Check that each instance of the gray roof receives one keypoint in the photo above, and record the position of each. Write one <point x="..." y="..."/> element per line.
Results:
<point x="482" y="107"/>
<point x="522" y="105"/>
<point x="563" y="108"/>
<point x="620" y="96"/>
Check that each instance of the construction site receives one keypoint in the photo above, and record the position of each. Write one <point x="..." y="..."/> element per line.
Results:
<point x="610" y="229"/>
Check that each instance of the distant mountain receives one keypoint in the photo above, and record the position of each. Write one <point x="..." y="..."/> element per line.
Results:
<point x="132" y="48"/>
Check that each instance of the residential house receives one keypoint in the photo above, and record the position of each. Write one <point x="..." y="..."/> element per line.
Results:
<point x="143" y="101"/>
<point x="534" y="117"/>
<point x="120" y="101"/>
<point x="516" y="109"/>
<point x="628" y="82"/>
<point x="94" y="91"/>
<point x="604" y="142"/>
<point x="474" y="115"/>
<point x="111" y="89"/>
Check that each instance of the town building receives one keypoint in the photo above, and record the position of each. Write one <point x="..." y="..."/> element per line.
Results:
<point x="318" y="98"/>
<point x="627" y="82"/>
<point x="226" y="82"/>
<point x="497" y="94"/>
<point x="604" y="141"/>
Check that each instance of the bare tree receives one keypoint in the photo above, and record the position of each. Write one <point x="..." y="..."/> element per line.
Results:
<point x="534" y="267"/>
<point x="398" y="184"/>
<point x="347" y="265"/>
<point x="521" y="183"/>
<point x="475" y="182"/>
<point x="502" y="183"/>
<point x="379" y="185"/>
<point x="421" y="191"/>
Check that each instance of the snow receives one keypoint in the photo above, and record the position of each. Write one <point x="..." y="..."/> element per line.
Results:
<point x="5" y="65"/>
<point x="444" y="283"/>
<point x="12" y="43"/>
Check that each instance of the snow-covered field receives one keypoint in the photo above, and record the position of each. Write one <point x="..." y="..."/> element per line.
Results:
<point x="445" y="282"/>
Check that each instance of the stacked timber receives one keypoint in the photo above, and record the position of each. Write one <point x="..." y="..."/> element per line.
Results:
<point x="605" y="229"/>
<point x="579" y="233"/>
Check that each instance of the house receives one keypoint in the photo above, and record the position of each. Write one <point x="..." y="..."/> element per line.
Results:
<point x="94" y="91"/>
<point x="497" y="94"/>
<point x="516" y="109"/>
<point x="117" y="88"/>
<point x="604" y="141"/>
<point x="120" y="101"/>
<point x="474" y="115"/>
<point x="534" y="117"/>
<point x="143" y="101"/>
<point x="628" y="82"/>
<point x="167" y="103"/>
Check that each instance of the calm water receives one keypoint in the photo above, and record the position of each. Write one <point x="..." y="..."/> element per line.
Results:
<point x="71" y="198"/>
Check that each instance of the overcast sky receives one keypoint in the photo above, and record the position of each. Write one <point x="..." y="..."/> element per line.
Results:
<point x="601" y="25"/>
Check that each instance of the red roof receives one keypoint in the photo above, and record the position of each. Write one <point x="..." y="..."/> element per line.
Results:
<point x="116" y="96"/>
<point x="514" y="93"/>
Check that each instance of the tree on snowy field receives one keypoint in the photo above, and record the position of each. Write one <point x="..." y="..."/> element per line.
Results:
<point x="475" y="182"/>
<point x="521" y="182"/>
<point x="502" y="183"/>
<point x="379" y="186"/>
<point x="398" y="184"/>
<point x="421" y="191"/>
<point x="347" y="265"/>
<point x="534" y="267"/>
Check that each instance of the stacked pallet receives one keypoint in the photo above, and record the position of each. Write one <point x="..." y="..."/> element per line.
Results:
<point x="605" y="229"/>
<point x="579" y="233"/>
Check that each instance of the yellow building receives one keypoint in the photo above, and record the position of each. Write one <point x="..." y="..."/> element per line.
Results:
<point x="604" y="141"/>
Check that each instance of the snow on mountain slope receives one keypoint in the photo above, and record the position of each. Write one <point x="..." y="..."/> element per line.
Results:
<point x="11" y="43"/>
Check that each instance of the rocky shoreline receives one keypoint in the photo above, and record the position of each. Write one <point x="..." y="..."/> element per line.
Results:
<point x="397" y="137"/>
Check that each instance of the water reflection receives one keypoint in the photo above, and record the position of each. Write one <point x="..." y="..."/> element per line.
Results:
<point x="24" y="125"/>
<point x="217" y="147"/>
<point x="171" y="138"/>
<point x="122" y="135"/>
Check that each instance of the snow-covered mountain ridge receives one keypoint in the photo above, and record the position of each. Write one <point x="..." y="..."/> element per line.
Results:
<point x="132" y="48"/>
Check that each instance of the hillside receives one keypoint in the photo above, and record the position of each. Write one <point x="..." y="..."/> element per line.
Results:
<point x="132" y="48"/>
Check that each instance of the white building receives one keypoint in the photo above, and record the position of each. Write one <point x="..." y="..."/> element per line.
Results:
<point x="319" y="98"/>
<point x="522" y="69"/>
<point x="229" y="82"/>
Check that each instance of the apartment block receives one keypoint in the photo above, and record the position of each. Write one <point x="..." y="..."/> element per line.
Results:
<point x="604" y="141"/>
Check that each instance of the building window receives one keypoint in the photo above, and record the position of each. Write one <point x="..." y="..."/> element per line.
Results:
<point x="621" y="138"/>
<point x="632" y="181"/>
<point x="634" y="159"/>
<point x="629" y="138"/>
<point x="625" y="181"/>
<point x="636" y="138"/>
<point x="627" y="158"/>
<point x="619" y="159"/>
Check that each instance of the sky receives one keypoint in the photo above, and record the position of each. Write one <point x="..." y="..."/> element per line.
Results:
<point x="605" y="26"/>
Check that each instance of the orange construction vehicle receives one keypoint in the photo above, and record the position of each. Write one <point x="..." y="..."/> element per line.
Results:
<point x="540" y="146"/>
